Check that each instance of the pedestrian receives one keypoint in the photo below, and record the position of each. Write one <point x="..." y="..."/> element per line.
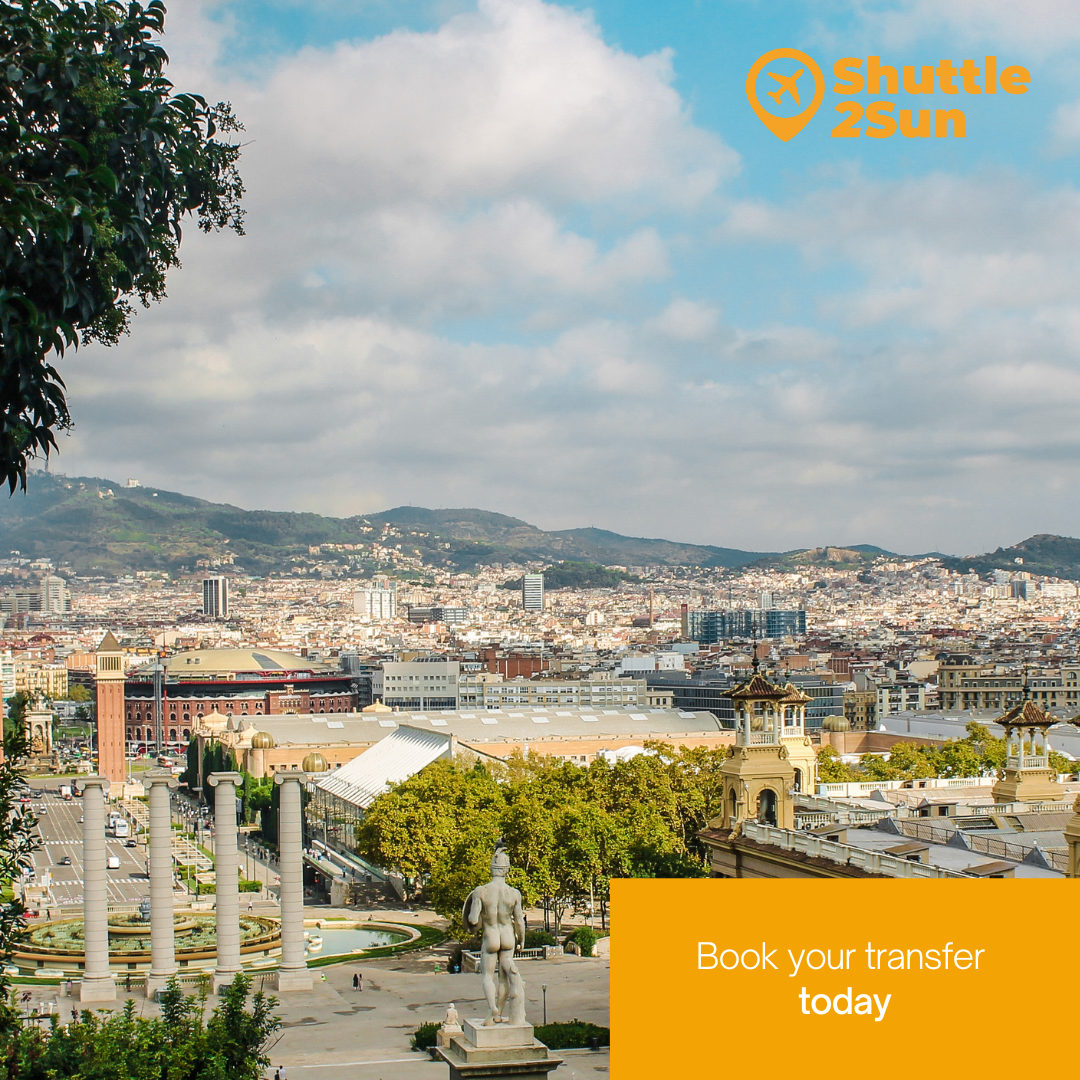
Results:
<point x="277" y="1074"/>
<point x="282" y="1071"/>
<point x="356" y="982"/>
<point x="251" y="904"/>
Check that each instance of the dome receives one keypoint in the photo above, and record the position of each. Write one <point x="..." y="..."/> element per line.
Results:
<point x="835" y="723"/>
<point x="314" y="762"/>
<point x="262" y="740"/>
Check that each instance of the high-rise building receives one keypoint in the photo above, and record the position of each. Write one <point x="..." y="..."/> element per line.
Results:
<point x="375" y="603"/>
<point x="532" y="592"/>
<point x="215" y="597"/>
<point x="55" y="597"/>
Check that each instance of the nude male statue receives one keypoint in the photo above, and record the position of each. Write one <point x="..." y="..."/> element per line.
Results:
<point x="495" y="909"/>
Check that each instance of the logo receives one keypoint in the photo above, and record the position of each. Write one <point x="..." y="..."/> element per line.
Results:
<point x="795" y="85"/>
<point x="784" y="78"/>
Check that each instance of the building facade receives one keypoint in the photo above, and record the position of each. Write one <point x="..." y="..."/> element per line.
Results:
<point x="711" y="627"/>
<point x="532" y="592"/>
<point x="215" y="592"/>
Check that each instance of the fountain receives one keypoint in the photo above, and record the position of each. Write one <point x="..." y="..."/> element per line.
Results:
<point x="59" y="944"/>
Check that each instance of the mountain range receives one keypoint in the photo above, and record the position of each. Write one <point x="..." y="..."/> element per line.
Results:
<point x="99" y="525"/>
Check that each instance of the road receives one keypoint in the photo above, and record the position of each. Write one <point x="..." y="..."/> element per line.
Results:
<point x="61" y="834"/>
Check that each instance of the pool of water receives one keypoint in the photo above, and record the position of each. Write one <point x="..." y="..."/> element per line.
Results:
<point x="339" y="942"/>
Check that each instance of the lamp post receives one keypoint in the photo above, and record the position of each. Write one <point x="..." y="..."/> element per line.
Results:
<point x="543" y="987"/>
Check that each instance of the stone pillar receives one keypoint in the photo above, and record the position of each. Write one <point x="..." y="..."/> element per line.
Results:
<point x="158" y="784"/>
<point x="293" y="973"/>
<point x="226" y="878"/>
<point x="97" y="982"/>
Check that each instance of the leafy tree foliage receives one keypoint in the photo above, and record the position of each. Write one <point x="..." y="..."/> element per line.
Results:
<point x="179" y="1045"/>
<point x="100" y="164"/>
<point x="18" y="841"/>
<point x="78" y="692"/>
<point x="568" y="829"/>
<point x="979" y="753"/>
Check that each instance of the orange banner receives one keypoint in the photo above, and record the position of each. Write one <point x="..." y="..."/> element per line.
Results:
<point x="777" y="978"/>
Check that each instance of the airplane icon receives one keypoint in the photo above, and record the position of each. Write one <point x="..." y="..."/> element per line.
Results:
<point x="787" y="86"/>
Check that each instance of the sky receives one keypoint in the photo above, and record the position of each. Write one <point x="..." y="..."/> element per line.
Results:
<point x="544" y="259"/>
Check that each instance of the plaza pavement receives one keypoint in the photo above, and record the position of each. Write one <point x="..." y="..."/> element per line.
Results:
<point x="336" y="1033"/>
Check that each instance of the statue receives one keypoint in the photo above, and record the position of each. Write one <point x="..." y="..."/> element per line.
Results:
<point x="495" y="910"/>
<point x="451" y="1026"/>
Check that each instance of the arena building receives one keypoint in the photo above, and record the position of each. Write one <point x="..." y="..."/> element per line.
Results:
<point x="233" y="682"/>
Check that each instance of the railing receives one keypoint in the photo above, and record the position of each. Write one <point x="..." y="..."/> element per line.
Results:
<point x="985" y="845"/>
<point x="762" y="738"/>
<point x="873" y="862"/>
<point x="1028" y="761"/>
<point x="870" y="786"/>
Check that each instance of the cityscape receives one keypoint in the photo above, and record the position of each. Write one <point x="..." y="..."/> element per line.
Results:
<point x="534" y="530"/>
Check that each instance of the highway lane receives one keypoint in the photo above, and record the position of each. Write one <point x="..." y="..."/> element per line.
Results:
<point x="61" y="835"/>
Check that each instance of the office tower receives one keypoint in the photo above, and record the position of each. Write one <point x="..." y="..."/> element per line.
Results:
<point x="55" y="597"/>
<point x="532" y="592"/>
<point x="215" y="597"/>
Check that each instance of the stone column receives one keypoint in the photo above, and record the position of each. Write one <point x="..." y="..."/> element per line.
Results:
<point x="293" y="973"/>
<point x="97" y="982"/>
<point x="158" y="784"/>
<point x="226" y="878"/>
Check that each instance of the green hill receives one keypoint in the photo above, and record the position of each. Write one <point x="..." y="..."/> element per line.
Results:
<point x="95" y="524"/>
<point x="1044" y="554"/>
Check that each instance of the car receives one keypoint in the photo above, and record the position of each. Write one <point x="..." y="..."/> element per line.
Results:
<point x="132" y="843"/>
<point x="81" y="820"/>
<point x="43" y="810"/>
<point x="64" y="861"/>
<point x="112" y="862"/>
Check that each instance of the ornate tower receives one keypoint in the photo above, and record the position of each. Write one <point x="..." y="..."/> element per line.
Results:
<point x="1028" y="776"/>
<point x="758" y="778"/>
<point x="110" y="710"/>
<point x="793" y="736"/>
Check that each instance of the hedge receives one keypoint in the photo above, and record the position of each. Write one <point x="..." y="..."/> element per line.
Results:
<point x="574" y="1035"/>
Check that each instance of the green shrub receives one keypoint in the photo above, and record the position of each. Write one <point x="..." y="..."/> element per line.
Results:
<point x="250" y="886"/>
<point x="537" y="939"/>
<point x="585" y="937"/>
<point x="425" y="1035"/>
<point x="571" y="1036"/>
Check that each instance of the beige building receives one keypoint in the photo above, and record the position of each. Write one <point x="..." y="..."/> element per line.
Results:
<point x="41" y="680"/>
<point x="965" y="683"/>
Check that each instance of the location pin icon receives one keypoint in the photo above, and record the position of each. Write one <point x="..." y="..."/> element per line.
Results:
<point x="785" y="127"/>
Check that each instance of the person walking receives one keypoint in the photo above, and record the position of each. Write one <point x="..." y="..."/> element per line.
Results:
<point x="356" y="982"/>
<point x="277" y="1074"/>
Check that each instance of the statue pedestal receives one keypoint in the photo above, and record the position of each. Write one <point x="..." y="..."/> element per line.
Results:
<point x="101" y="988"/>
<point x="497" y="1052"/>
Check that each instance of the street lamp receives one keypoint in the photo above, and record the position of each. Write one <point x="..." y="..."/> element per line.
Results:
<point x="543" y="986"/>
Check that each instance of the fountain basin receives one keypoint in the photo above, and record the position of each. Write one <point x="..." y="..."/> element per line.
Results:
<point x="59" y="943"/>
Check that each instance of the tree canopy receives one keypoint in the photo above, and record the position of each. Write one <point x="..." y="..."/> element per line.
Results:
<point x="180" y="1045"/>
<point x="979" y="753"/>
<point x="101" y="161"/>
<point x="569" y="829"/>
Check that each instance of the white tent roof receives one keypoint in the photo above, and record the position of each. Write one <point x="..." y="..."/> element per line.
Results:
<point x="403" y="753"/>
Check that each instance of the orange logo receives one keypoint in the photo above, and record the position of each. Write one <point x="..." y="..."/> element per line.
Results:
<point x="789" y="86"/>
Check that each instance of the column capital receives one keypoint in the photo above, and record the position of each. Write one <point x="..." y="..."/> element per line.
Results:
<point x="216" y="778"/>
<point x="102" y="782"/>
<point x="283" y="776"/>
<point x="160" y="776"/>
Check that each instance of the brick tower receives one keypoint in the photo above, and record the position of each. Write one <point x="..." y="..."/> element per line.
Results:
<point x="110" y="710"/>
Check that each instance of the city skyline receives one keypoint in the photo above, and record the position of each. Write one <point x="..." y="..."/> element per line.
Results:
<point x="615" y="298"/>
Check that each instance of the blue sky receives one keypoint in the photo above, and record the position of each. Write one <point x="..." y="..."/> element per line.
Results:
<point x="544" y="259"/>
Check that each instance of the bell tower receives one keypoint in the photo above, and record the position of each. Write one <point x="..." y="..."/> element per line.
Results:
<point x="111" y="729"/>
<point x="758" y="779"/>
